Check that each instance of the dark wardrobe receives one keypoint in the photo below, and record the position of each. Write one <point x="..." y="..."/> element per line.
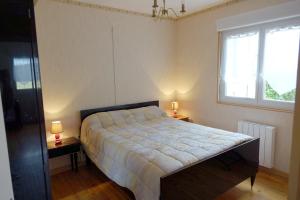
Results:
<point x="22" y="101"/>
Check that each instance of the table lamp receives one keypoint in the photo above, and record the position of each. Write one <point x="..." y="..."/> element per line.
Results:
<point x="56" y="128"/>
<point x="175" y="107"/>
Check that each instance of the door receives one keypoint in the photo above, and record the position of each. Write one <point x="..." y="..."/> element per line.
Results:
<point x="21" y="100"/>
<point x="6" y="191"/>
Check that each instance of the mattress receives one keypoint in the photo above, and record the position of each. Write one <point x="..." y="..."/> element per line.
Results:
<point x="136" y="147"/>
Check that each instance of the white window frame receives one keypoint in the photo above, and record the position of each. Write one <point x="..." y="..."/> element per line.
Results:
<point x="259" y="100"/>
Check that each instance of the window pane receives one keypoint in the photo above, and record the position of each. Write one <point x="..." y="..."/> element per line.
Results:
<point x="280" y="63"/>
<point x="22" y="73"/>
<point x="241" y="63"/>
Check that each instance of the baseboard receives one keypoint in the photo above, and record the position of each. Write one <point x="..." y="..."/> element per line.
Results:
<point x="64" y="169"/>
<point x="274" y="172"/>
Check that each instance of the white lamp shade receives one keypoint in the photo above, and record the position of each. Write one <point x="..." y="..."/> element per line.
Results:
<point x="175" y="105"/>
<point x="56" y="127"/>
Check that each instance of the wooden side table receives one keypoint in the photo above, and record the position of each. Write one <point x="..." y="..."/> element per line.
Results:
<point x="69" y="146"/>
<point x="182" y="117"/>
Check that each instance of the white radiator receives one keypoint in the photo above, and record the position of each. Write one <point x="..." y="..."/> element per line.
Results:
<point x="267" y="140"/>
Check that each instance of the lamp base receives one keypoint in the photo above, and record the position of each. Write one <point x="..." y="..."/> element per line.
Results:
<point x="174" y="113"/>
<point x="58" y="140"/>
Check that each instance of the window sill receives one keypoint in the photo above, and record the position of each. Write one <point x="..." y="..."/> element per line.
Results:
<point x="256" y="107"/>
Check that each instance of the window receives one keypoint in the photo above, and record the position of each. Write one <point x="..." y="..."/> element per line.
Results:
<point x="259" y="65"/>
<point x="22" y="73"/>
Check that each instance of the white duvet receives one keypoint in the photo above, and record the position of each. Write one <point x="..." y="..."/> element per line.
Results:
<point x="136" y="147"/>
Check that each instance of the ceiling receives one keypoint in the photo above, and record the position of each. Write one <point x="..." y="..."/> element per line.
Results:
<point x="145" y="6"/>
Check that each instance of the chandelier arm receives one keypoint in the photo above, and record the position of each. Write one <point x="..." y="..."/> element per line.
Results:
<point x="161" y="16"/>
<point x="173" y="11"/>
<point x="158" y="14"/>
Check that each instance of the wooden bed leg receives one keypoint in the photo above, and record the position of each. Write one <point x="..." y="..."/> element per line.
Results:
<point x="87" y="160"/>
<point x="253" y="181"/>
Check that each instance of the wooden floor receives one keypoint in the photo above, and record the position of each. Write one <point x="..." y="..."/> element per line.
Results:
<point x="90" y="184"/>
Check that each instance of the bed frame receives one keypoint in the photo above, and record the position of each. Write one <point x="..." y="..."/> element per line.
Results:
<point x="205" y="179"/>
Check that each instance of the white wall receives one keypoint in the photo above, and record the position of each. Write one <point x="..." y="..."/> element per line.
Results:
<point x="6" y="191"/>
<point x="77" y="61"/>
<point x="78" y="57"/>
<point x="197" y="70"/>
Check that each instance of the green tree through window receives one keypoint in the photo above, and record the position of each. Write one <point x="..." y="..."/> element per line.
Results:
<point x="271" y="94"/>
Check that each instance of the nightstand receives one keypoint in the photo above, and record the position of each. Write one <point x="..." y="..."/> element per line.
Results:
<point x="69" y="146"/>
<point x="182" y="117"/>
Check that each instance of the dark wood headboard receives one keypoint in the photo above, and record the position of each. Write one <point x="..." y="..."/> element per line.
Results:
<point x="86" y="113"/>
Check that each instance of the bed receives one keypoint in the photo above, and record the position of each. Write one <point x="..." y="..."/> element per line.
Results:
<point x="160" y="158"/>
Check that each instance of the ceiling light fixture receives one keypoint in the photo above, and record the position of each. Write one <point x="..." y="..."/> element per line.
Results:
<point x="163" y="11"/>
